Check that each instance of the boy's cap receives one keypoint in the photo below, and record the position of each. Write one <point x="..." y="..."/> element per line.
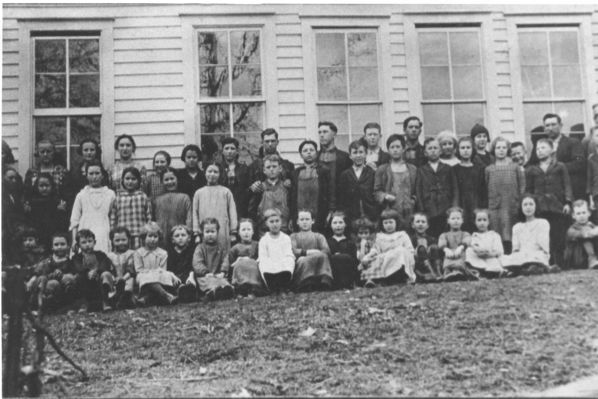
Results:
<point x="478" y="129"/>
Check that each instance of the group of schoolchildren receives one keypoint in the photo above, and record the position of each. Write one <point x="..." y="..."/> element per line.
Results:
<point x="450" y="209"/>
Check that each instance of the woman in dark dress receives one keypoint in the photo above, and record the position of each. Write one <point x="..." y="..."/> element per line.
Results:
<point x="470" y="182"/>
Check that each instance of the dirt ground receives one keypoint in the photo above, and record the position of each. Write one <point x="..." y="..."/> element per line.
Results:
<point x="487" y="338"/>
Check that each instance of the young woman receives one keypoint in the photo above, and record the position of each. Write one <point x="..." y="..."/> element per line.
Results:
<point x="125" y="145"/>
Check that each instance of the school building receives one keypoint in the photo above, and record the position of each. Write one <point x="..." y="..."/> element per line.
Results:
<point x="176" y="74"/>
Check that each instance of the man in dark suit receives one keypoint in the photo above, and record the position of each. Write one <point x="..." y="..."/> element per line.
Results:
<point x="337" y="161"/>
<point x="414" y="151"/>
<point x="374" y="154"/>
<point x="568" y="151"/>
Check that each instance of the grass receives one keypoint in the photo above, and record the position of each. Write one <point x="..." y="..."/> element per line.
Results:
<point x="491" y="338"/>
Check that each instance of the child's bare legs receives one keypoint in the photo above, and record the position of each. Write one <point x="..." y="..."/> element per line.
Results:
<point x="588" y="246"/>
<point x="156" y="293"/>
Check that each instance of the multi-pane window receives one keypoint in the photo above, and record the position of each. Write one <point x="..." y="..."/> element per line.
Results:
<point x="67" y="92"/>
<point x="347" y="71"/>
<point x="551" y="76"/>
<point x="231" y="95"/>
<point x="451" y="79"/>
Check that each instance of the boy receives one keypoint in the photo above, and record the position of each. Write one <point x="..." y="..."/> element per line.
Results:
<point x="124" y="266"/>
<point x="55" y="281"/>
<point x="275" y="195"/>
<point x="32" y="252"/>
<point x="356" y="186"/>
<point x="210" y="263"/>
<point x="94" y="279"/>
<point x="580" y="251"/>
<point x="549" y="181"/>
<point x="428" y="258"/>
<point x="518" y="154"/>
<point x="481" y="137"/>
<point x="435" y="187"/>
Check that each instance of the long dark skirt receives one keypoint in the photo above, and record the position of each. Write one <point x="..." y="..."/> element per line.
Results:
<point x="344" y="271"/>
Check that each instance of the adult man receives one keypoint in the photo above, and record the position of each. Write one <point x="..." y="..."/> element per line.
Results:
<point x="568" y="151"/>
<point x="336" y="160"/>
<point x="414" y="151"/>
<point x="256" y="169"/>
<point x="374" y="154"/>
<point x="518" y="154"/>
<point x="235" y="175"/>
<point x="588" y="144"/>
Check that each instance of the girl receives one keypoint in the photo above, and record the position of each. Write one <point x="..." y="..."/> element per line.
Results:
<point x="243" y="260"/>
<point x="343" y="254"/>
<point x="93" y="208"/>
<point x="88" y="150"/>
<point x="580" y="250"/>
<point x="235" y="175"/>
<point x="216" y="201"/>
<point x="311" y="187"/>
<point x="486" y="247"/>
<point x="124" y="267"/>
<point x="531" y="250"/>
<point x="392" y="252"/>
<point x="47" y="212"/>
<point x="428" y="259"/>
<point x="154" y="186"/>
<point x="448" y="146"/>
<point x="172" y="208"/>
<point x="505" y="182"/>
<point x="366" y="236"/>
<point x="125" y="145"/>
<point x="191" y="178"/>
<point x="132" y="208"/>
<point x="180" y="261"/>
<point x="470" y="182"/>
<point x="394" y="185"/>
<point x="150" y="265"/>
<point x="276" y="259"/>
<point x="312" y="271"/>
<point x="454" y="243"/>
<point x="48" y="161"/>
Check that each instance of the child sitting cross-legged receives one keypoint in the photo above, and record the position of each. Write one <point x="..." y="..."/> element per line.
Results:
<point x="124" y="267"/>
<point x="180" y="262"/>
<point x="210" y="263"/>
<point x="243" y="260"/>
<point x="343" y="253"/>
<point x="582" y="237"/>
<point x="94" y="278"/>
<point x="486" y="248"/>
<point x="453" y="243"/>
<point x="391" y="257"/>
<point x="156" y="283"/>
<point x="312" y="271"/>
<point x="428" y="258"/>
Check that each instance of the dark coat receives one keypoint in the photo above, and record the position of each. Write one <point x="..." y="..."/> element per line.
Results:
<point x="592" y="175"/>
<point x="239" y="187"/>
<point x="181" y="264"/>
<point x="571" y="153"/>
<point x="384" y="181"/>
<point x="342" y="163"/>
<point x="486" y="159"/>
<point x="414" y="155"/>
<point x="383" y="158"/>
<point x="189" y="185"/>
<point x="436" y="191"/>
<point x="256" y="169"/>
<point x="355" y="194"/>
<point x="552" y="188"/>
<point x="326" y="196"/>
<point x="103" y="264"/>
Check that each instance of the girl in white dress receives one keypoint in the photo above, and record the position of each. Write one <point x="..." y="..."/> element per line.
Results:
<point x="486" y="248"/>
<point x="92" y="208"/>
<point x="276" y="259"/>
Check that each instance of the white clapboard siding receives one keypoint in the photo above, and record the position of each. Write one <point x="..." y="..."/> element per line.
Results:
<point x="10" y="82"/>
<point x="503" y="77"/>
<point x="595" y="51"/>
<point x="398" y="68"/>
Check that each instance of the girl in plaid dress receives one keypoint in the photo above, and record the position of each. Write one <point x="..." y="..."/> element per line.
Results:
<point x="392" y="252"/>
<point x="506" y="183"/>
<point x="132" y="209"/>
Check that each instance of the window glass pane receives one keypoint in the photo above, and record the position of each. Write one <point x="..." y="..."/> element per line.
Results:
<point x="247" y="80"/>
<point x="435" y="83"/>
<point x="342" y="141"/>
<point x="467" y="82"/>
<point x="50" y="91"/>
<point x="467" y="115"/>
<point x="433" y="48"/>
<point x="245" y="47"/>
<point x="213" y="81"/>
<point x="533" y="48"/>
<point x="50" y="55"/>
<point x="362" y="49"/>
<point x="84" y="91"/>
<point x="465" y="48"/>
<point x="571" y="114"/>
<point x="84" y="55"/>
<point x="336" y="114"/>
<point x="437" y="117"/>
<point x="330" y="49"/>
<point x="536" y="81"/>
<point x="532" y="115"/>
<point x="360" y="115"/>
<point x="567" y="81"/>
<point x="213" y="48"/>
<point x="215" y="118"/>
<point x="249" y="146"/>
<point x="53" y="129"/>
<point x="363" y="83"/>
<point x="563" y="47"/>
<point x="83" y="127"/>
<point x="248" y="117"/>
<point x="332" y="83"/>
